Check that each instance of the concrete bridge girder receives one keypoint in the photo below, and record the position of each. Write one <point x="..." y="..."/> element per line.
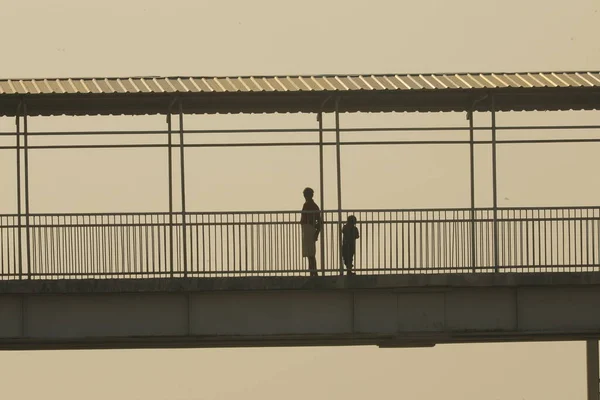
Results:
<point x="330" y="313"/>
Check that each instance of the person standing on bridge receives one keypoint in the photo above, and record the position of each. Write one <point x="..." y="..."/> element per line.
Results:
<point x="311" y="227"/>
<point x="349" y="235"/>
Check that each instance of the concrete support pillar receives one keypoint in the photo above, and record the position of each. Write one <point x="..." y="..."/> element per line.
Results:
<point x="593" y="373"/>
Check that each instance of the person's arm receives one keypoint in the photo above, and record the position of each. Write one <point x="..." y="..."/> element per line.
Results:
<point x="318" y="223"/>
<point x="303" y="214"/>
<point x="357" y="233"/>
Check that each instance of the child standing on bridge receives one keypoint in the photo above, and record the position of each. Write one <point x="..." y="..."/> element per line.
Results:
<point x="349" y="235"/>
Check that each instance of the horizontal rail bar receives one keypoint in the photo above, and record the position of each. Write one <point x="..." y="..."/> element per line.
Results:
<point x="256" y="223"/>
<point x="266" y="212"/>
<point x="307" y="130"/>
<point x="302" y="144"/>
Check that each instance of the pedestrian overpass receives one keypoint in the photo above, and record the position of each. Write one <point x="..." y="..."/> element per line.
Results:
<point x="186" y="277"/>
<point x="382" y="310"/>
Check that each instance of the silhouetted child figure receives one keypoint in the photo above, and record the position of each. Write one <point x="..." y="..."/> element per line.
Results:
<point x="349" y="235"/>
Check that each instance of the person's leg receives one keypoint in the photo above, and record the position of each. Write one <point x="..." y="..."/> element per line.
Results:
<point x="309" y="248"/>
<point x="312" y="266"/>
<point x="350" y="262"/>
<point x="347" y="262"/>
<point x="347" y="256"/>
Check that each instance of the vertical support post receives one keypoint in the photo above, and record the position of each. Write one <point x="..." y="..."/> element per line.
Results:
<point x="170" y="161"/>
<point x="472" y="179"/>
<point x="183" y="215"/>
<point x="495" y="187"/>
<point x="26" y="177"/>
<point x="321" y="188"/>
<point x="339" y="178"/>
<point x="593" y="369"/>
<point x="19" y="211"/>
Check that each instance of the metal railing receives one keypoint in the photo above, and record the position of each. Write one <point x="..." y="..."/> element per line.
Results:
<point x="233" y="244"/>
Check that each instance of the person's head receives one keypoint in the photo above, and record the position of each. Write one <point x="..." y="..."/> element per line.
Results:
<point x="351" y="220"/>
<point x="308" y="193"/>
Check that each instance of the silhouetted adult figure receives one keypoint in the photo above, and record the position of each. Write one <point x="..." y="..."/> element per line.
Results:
<point x="311" y="227"/>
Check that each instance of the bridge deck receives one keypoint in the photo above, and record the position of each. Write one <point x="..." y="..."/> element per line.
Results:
<point x="329" y="283"/>
<point x="387" y="311"/>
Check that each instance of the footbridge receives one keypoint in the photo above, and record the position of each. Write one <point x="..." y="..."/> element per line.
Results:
<point x="185" y="276"/>
<point x="382" y="310"/>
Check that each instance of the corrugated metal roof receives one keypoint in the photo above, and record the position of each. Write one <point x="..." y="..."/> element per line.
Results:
<point x="322" y="83"/>
<point x="302" y="94"/>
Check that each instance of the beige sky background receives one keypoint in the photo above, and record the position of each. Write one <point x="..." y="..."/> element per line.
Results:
<point x="69" y="38"/>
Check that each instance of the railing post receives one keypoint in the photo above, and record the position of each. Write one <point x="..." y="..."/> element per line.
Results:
<point x="339" y="180"/>
<point x="495" y="186"/>
<point x="321" y="189"/>
<point x="19" y="211"/>
<point x="170" y="161"/>
<point x="472" y="179"/>
<point x="183" y="214"/>
<point x="26" y="176"/>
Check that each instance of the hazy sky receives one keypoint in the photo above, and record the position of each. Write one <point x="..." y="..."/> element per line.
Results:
<point x="71" y="38"/>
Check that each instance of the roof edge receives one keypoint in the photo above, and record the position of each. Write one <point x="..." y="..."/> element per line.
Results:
<point x="332" y="75"/>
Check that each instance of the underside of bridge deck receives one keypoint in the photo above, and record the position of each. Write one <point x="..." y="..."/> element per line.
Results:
<point x="388" y="311"/>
